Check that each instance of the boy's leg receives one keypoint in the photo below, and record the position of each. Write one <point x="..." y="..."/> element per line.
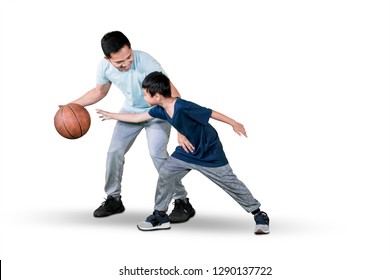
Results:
<point x="225" y="178"/>
<point x="228" y="181"/>
<point x="170" y="173"/>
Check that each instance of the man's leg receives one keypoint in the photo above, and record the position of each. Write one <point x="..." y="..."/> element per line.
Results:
<point x="122" y="139"/>
<point x="157" y="133"/>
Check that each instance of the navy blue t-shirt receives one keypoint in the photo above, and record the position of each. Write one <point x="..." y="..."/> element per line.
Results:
<point x="192" y="121"/>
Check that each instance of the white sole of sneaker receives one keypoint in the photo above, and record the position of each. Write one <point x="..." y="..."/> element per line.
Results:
<point x="261" y="229"/>
<point x="145" y="226"/>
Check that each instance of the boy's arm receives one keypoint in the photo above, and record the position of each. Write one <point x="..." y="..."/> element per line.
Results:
<point x="237" y="127"/>
<point x="125" y="117"/>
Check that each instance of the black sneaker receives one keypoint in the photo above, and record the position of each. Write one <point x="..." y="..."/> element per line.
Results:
<point x="112" y="205"/>
<point x="158" y="220"/>
<point x="262" y="223"/>
<point x="182" y="211"/>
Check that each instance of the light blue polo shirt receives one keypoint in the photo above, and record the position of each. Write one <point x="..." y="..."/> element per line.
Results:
<point x="130" y="82"/>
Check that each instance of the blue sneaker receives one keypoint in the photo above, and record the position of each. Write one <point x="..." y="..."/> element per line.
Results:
<point x="262" y="223"/>
<point x="158" y="220"/>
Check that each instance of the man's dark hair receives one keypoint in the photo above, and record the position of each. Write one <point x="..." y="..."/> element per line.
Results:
<point x="157" y="82"/>
<point x="113" y="41"/>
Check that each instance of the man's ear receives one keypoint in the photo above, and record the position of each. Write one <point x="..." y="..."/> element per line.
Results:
<point x="106" y="58"/>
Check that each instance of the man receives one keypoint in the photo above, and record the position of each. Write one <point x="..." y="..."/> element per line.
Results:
<point x="126" y="69"/>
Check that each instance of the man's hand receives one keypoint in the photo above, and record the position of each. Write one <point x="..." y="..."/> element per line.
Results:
<point x="184" y="143"/>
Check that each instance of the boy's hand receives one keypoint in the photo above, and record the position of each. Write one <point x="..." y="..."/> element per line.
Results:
<point x="239" y="129"/>
<point x="184" y="143"/>
<point x="104" y="115"/>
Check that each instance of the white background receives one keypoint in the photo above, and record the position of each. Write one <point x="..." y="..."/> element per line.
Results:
<point x="308" y="79"/>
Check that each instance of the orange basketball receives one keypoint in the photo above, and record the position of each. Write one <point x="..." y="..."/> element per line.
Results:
<point x="72" y="121"/>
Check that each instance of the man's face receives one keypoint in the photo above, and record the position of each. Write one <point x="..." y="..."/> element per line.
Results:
<point x="123" y="59"/>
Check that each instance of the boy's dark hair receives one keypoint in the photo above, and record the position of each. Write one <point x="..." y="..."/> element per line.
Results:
<point x="113" y="41"/>
<point x="157" y="82"/>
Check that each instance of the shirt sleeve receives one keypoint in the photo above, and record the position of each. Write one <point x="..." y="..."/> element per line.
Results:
<point x="101" y="78"/>
<point x="157" y="112"/>
<point x="197" y="113"/>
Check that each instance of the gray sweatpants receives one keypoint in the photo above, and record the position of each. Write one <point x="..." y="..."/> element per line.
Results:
<point x="174" y="170"/>
<point x="123" y="137"/>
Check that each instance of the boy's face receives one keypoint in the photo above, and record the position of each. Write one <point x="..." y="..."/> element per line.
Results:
<point x="123" y="59"/>
<point x="151" y="100"/>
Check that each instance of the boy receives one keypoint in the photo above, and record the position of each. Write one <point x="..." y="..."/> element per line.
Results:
<point x="207" y="157"/>
<point x="126" y="68"/>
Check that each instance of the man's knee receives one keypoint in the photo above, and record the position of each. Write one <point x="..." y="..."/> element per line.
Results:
<point x="164" y="174"/>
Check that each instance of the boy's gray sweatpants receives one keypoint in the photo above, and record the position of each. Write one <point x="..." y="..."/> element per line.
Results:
<point x="174" y="170"/>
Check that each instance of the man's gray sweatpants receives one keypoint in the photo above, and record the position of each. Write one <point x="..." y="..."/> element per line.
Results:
<point x="174" y="170"/>
<point x="123" y="137"/>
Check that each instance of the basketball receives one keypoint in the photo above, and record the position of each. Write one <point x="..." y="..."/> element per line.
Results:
<point x="72" y="121"/>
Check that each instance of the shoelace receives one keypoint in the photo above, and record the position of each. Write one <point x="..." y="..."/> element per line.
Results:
<point x="153" y="220"/>
<point x="264" y="216"/>
<point x="150" y="218"/>
<point x="177" y="206"/>
<point x="104" y="202"/>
